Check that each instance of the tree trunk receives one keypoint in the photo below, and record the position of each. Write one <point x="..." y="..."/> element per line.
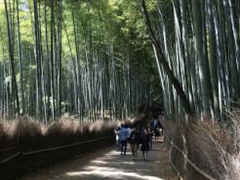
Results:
<point x="11" y="57"/>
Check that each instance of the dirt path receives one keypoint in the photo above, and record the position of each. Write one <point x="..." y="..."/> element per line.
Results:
<point x="107" y="164"/>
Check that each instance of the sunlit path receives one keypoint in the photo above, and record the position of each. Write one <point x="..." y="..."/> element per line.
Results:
<point x="108" y="164"/>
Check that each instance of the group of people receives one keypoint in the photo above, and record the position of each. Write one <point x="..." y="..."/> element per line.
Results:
<point x="138" y="137"/>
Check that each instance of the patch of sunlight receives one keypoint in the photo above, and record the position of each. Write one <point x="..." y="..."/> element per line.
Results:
<point x="112" y="153"/>
<point x="128" y="162"/>
<point x="102" y="162"/>
<point x="112" y="166"/>
<point x="109" y="156"/>
<point x="99" y="162"/>
<point x="92" y="168"/>
<point x="116" y="153"/>
<point x="113" y="173"/>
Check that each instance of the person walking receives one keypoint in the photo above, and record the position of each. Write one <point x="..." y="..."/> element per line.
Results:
<point x="160" y="127"/>
<point x="151" y="132"/>
<point x="156" y="128"/>
<point x="129" y="128"/>
<point x="117" y="136"/>
<point x="133" y="140"/>
<point x="124" y="134"/>
<point x="145" y="143"/>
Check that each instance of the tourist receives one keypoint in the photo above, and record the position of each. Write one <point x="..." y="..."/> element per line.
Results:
<point x="151" y="132"/>
<point x="129" y="130"/>
<point x="134" y="140"/>
<point x="160" y="127"/>
<point x="117" y="135"/>
<point x="156" y="128"/>
<point x="123" y="138"/>
<point x="145" y="143"/>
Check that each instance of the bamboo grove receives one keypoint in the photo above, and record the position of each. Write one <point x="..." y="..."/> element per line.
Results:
<point x="71" y="57"/>
<point x="106" y="58"/>
<point x="196" y="45"/>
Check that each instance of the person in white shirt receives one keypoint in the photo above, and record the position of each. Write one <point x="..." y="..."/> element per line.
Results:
<point x="129" y="131"/>
<point x="117" y="135"/>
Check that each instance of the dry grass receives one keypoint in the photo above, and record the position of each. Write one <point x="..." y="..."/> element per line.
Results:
<point x="2" y="134"/>
<point x="233" y="159"/>
<point x="212" y="147"/>
<point x="26" y="134"/>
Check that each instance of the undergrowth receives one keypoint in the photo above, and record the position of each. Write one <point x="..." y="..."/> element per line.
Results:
<point x="213" y="147"/>
<point x="26" y="134"/>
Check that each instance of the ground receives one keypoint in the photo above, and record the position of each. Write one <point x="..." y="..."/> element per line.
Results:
<point x="107" y="164"/>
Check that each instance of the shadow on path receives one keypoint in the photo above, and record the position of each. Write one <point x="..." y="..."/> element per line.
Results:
<point x="107" y="164"/>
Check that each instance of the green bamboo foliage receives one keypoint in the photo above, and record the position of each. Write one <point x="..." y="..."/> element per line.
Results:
<point x="69" y="61"/>
<point x="204" y="53"/>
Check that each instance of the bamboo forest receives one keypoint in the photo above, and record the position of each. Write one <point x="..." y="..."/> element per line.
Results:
<point x="76" y="74"/>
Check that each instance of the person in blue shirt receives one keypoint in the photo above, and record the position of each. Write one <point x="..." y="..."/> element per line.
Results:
<point x="123" y="135"/>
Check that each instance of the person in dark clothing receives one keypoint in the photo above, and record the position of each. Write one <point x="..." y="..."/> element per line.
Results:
<point x="155" y="127"/>
<point x="145" y="143"/>
<point x="134" y="140"/>
<point x="156" y="133"/>
<point x="151" y="132"/>
<point x="139" y="137"/>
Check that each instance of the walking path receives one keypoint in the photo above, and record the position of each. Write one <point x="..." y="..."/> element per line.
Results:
<point x="107" y="164"/>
